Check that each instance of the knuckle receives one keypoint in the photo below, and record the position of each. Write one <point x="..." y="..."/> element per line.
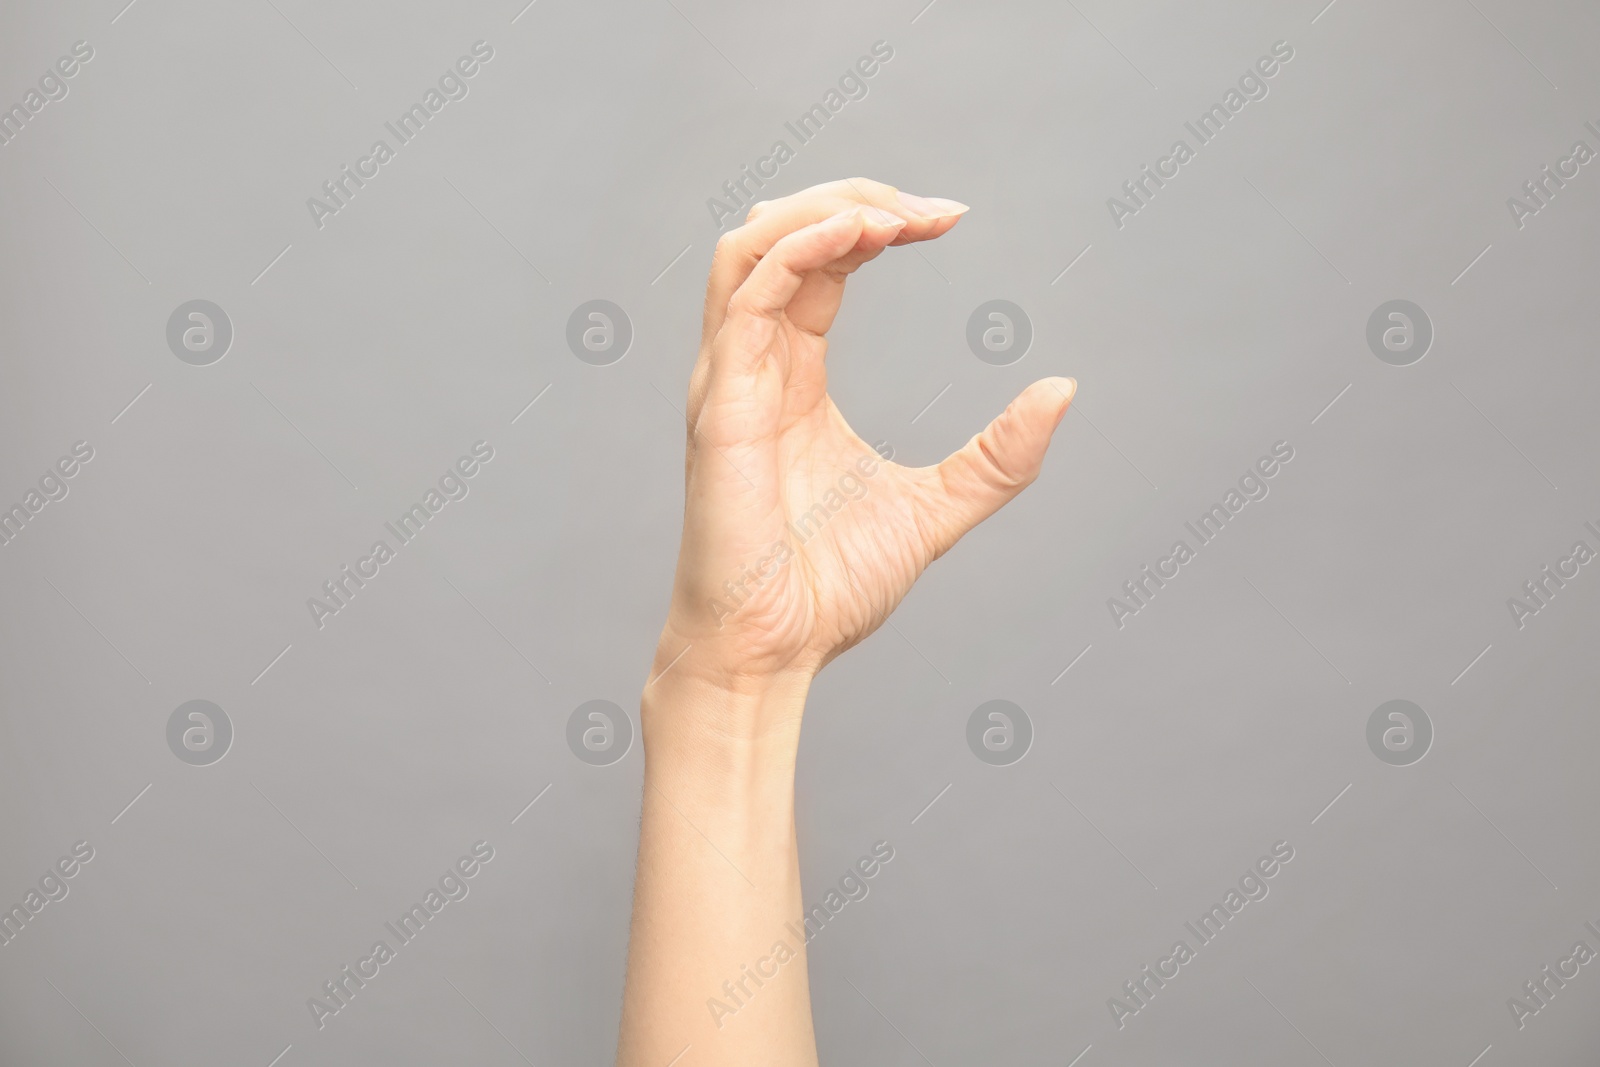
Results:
<point x="743" y="304"/>
<point x="743" y="331"/>
<point x="838" y="272"/>
<point x="734" y="252"/>
<point x="995" y="471"/>
<point x="790" y="249"/>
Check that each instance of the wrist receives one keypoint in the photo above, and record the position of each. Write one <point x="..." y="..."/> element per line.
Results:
<point x="722" y="728"/>
<point x="748" y="713"/>
<point x="728" y="674"/>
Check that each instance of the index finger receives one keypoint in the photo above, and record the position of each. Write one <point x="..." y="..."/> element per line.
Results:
<point x="739" y="250"/>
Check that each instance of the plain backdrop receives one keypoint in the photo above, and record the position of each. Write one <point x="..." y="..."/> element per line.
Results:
<point x="1171" y="748"/>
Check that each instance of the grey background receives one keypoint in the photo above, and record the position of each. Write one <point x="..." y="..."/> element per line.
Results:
<point x="425" y="316"/>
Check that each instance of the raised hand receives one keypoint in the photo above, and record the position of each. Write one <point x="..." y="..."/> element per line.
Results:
<point x="798" y="539"/>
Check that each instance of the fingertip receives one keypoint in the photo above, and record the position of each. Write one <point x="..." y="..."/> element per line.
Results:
<point x="843" y="231"/>
<point x="839" y="220"/>
<point x="924" y="229"/>
<point x="1056" y="395"/>
<point x="1058" y="392"/>
<point x="879" y="229"/>
<point x="932" y="207"/>
<point x="881" y="219"/>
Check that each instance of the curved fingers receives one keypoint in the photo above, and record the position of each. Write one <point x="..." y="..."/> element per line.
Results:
<point x="739" y="250"/>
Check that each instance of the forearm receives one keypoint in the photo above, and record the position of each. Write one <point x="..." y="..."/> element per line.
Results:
<point x="787" y="560"/>
<point x="718" y="885"/>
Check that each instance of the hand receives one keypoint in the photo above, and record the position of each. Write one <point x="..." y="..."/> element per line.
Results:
<point x="798" y="539"/>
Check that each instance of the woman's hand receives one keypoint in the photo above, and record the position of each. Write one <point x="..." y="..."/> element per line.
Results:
<point x="798" y="539"/>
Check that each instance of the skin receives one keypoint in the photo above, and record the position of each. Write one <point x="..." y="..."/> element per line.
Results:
<point x="758" y="609"/>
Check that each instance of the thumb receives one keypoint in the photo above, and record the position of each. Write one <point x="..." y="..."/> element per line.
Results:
<point x="981" y="477"/>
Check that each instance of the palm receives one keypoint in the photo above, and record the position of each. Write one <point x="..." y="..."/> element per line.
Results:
<point x="854" y="529"/>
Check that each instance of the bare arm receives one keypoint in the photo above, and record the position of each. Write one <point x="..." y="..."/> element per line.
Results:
<point x="798" y="541"/>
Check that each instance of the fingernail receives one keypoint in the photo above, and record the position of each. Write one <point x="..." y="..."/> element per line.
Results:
<point x="1071" y="395"/>
<point x="884" y="218"/>
<point x="932" y="207"/>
